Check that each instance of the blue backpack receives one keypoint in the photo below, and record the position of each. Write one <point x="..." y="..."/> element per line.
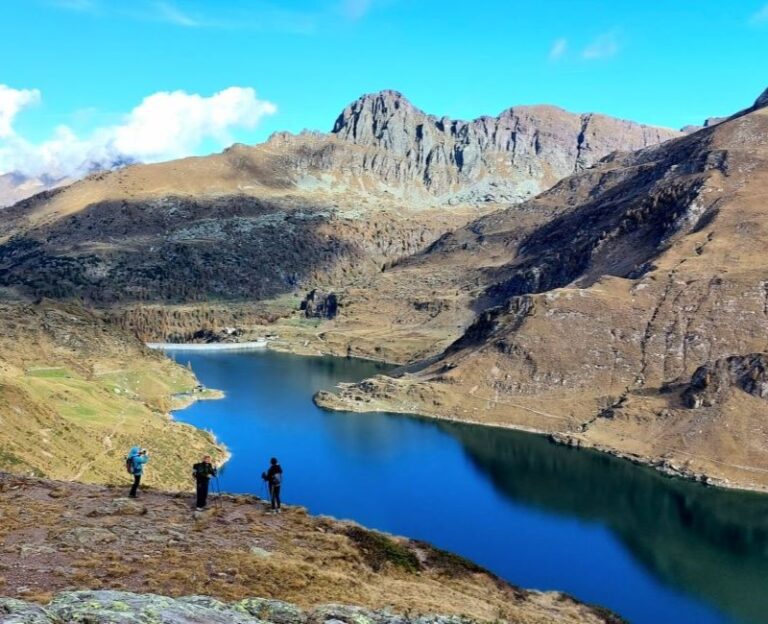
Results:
<point x="129" y="465"/>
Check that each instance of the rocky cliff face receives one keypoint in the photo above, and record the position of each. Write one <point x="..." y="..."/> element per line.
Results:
<point x="507" y="158"/>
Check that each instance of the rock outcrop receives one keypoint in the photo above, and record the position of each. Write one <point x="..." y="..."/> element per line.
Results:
<point x="711" y="382"/>
<point x="320" y="304"/>
<point x="108" y="607"/>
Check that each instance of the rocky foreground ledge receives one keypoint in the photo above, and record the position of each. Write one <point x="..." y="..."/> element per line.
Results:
<point x="112" y="607"/>
<point x="60" y="538"/>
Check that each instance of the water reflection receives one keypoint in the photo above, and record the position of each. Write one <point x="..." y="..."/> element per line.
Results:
<point x="711" y="542"/>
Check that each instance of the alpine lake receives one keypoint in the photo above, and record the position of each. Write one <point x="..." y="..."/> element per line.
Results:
<point x="652" y="548"/>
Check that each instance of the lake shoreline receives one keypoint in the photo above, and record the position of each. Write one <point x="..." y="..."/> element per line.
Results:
<point x="332" y="402"/>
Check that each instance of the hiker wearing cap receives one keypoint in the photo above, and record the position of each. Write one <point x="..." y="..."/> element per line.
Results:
<point x="202" y="473"/>
<point x="135" y="464"/>
<point x="274" y="478"/>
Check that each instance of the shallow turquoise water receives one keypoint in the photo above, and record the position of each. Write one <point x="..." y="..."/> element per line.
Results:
<point x="654" y="549"/>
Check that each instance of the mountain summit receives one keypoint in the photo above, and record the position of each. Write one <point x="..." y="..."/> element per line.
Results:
<point x="511" y="157"/>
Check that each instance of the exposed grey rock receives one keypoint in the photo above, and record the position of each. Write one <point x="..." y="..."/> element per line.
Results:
<point x="506" y="158"/>
<point x="14" y="611"/>
<point x="711" y="382"/>
<point x="320" y="304"/>
<point x="116" y="607"/>
<point x="89" y="536"/>
<point x="120" y="507"/>
<point x="275" y="611"/>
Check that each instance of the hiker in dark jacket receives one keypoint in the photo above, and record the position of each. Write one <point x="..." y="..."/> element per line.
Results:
<point x="274" y="478"/>
<point x="135" y="461"/>
<point x="202" y="472"/>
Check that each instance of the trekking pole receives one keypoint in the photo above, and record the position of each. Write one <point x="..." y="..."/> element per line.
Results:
<point x="218" y="492"/>
<point x="267" y="497"/>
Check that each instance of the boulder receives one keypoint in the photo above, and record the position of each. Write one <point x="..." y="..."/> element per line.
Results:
<point x="14" y="611"/>
<point x="320" y="304"/>
<point x="275" y="611"/>
<point x="119" y="507"/>
<point x="115" y="607"/>
<point x="711" y="382"/>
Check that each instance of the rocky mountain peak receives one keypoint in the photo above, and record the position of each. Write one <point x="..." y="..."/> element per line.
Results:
<point x="507" y="158"/>
<point x="380" y="119"/>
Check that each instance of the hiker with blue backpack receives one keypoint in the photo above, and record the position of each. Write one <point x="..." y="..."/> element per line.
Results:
<point x="134" y="464"/>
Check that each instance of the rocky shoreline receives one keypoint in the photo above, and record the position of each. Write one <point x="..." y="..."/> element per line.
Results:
<point x="350" y="399"/>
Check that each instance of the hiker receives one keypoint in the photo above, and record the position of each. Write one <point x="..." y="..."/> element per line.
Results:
<point x="274" y="478"/>
<point x="135" y="461"/>
<point x="202" y="473"/>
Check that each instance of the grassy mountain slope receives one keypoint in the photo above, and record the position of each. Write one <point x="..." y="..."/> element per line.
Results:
<point x="76" y="394"/>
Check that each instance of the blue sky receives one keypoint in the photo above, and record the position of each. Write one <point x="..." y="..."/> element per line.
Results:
<point x="87" y="64"/>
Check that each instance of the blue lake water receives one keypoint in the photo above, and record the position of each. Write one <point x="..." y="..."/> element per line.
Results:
<point x="654" y="549"/>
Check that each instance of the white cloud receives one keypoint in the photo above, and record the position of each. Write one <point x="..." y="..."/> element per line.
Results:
<point x="164" y="126"/>
<point x="356" y="9"/>
<point x="12" y="101"/>
<point x="604" y="46"/>
<point x="558" y="48"/>
<point x="761" y="16"/>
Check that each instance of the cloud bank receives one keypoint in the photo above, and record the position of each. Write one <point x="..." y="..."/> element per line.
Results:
<point x="163" y="126"/>
<point x="12" y="101"/>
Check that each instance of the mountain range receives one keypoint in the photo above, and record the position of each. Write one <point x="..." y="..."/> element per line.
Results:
<point x="578" y="275"/>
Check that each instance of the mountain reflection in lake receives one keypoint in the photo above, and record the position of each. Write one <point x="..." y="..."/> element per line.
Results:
<point x="709" y="541"/>
<point x="651" y="548"/>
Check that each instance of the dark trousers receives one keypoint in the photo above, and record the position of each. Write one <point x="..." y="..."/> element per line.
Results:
<point x="136" y="481"/>
<point x="202" y="492"/>
<point x="274" y="494"/>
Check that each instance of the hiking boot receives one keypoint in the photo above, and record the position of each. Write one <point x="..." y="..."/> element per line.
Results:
<point x="199" y="508"/>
